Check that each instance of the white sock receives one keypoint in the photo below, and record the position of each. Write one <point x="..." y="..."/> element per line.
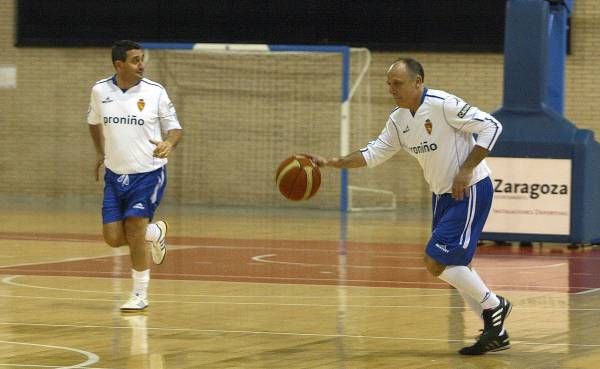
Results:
<point x="474" y="305"/>
<point x="152" y="232"/>
<point x="140" y="282"/>
<point x="465" y="280"/>
<point x="489" y="301"/>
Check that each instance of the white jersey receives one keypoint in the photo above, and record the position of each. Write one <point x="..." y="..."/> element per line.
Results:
<point x="131" y="119"/>
<point x="439" y="136"/>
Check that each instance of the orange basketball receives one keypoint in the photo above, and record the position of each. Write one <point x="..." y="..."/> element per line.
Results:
<point x="298" y="178"/>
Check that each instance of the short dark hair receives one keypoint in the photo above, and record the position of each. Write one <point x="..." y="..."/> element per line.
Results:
<point x="414" y="67"/>
<point x="120" y="49"/>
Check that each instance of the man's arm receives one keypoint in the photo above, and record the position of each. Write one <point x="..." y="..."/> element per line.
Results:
<point x="164" y="148"/>
<point x="96" y="133"/>
<point x="463" y="177"/>
<point x="352" y="160"/>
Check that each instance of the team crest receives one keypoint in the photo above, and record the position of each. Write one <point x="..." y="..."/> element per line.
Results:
<point x="141" y="103"/>
<point x="428" y="126"/>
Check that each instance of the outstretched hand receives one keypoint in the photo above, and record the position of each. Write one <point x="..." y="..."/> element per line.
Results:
<point x="163" y="148"/>
<point x="321" y="161"/>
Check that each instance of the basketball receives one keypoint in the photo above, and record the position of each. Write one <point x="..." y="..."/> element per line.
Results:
<point x="298" y="178"/>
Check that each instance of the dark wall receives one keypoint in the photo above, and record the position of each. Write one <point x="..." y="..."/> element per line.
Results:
<point x="433" y="25"/>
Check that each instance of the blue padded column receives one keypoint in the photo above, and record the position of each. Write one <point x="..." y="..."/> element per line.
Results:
<point x="557" y="54"/>
<point x="525" y="55"/>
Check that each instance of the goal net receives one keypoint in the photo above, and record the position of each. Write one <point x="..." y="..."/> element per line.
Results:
<point x="245" y="108"/>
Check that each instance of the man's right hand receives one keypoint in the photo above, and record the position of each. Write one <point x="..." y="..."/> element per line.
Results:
<point x="318" y="160"/>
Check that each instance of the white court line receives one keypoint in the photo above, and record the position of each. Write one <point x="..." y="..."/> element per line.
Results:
<point x="299" y="334"/>
<point x="45" y="366"/>
<point x="588" y="291"/>
<point x="123" y="251"/>
<point x="530" y="288"/>
<point x="264" y="259"/>
<point x="91" y="357"/>
<point x="358" y="306"/>
<point x="535" y="288"/>
<point x="10" y="281"/>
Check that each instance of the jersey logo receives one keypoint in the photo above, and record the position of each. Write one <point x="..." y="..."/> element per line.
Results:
<point x="463" y="111"/>
<point x="140" y="104"/>
<point x="423" y="147"/>
<point x="406" y="129"/>
<point x="123" y="179"/>
<point x="107" y="100"/>
<point x="442" y="247"/>
<point x="428" y="126"/>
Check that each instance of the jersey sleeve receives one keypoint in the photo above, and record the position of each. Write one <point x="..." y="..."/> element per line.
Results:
<point x="384" y="147"/>
<point x="467" y="118"/>
<point x="93" y="116"/>
<point x="167" y="113"/>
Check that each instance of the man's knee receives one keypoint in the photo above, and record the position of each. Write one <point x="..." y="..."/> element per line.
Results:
<point x="433" y="266"/>
<point x="113" y="234"/>
<point x="135" y="229"/>
<point x="114" y="240"/>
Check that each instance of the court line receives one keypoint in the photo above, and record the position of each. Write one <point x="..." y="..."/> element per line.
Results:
<point x="47" y="366"/>
<point x="91" y="357"/>
<point x="587" y="291"/>
<point x="123" y="251"/>
<point x="299" y="334"/>
<point x="10" y="281"/>
<point x="358" y="306"/>
<point x="265" y="259"/>
<point x="93" y="238"/>
<point x="333" y="281"/>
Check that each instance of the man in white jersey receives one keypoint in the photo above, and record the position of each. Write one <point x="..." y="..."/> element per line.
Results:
<point x="127" y="117"/>
<point x="437" y="128"/>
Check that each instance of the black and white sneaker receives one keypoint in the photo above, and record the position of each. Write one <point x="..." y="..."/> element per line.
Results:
<point x="493" y="319"/>
<point x="487" y="342"/>
<point x="494" y="336"/>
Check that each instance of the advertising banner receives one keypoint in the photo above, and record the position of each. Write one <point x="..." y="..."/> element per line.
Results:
<point x="530" y="196"/>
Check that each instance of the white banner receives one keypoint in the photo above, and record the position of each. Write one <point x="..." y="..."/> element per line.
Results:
<point x="530" y="196"/>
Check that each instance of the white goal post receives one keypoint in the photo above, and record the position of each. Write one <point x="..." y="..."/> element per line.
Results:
<point x="349" y="85"/>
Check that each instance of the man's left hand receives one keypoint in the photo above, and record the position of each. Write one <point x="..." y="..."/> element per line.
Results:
<point x="460" y="186"/>
<point x="163" y="148"/>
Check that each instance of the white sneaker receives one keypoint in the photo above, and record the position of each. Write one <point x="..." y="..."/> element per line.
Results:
<point x="134" y="304"/>
<point x="159" y="248"/>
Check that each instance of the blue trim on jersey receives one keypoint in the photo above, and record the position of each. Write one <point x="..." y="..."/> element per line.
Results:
<point x="496" y="135"/>
<point x="153" y="84"/>
<point x="436" y="97"/>
<point x="114" y="80"/>
<point x="104" y="80"/>
<point x="423" y="96"/>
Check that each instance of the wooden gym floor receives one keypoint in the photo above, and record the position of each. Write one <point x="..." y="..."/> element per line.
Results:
<point x="244" y="288"/>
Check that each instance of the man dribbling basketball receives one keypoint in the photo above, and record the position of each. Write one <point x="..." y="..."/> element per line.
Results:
<point x="437" y="129"/>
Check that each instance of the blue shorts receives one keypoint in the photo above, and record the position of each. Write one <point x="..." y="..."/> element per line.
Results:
<point x="457" y="225"/>
<point x="132" y="195"/>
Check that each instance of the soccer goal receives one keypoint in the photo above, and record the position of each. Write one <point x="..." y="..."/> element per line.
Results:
<point x="247" y="107"/>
